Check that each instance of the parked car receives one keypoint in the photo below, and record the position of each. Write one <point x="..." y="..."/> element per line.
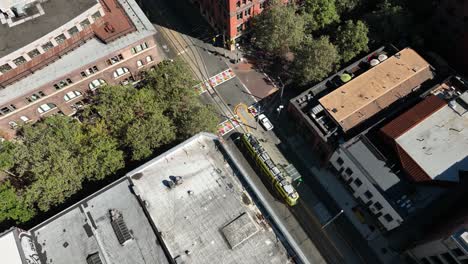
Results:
<point x="265" y="122"/>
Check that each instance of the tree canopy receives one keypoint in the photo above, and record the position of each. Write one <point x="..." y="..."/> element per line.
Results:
<point x="13" y="206"/>
<point x="51" y="159"/>
<point x="351" y="39"/>
<point x="389" y="22"/>
<point x="319" y="13"/>
<point x="278" y="29"/>
<point x="316" y="59"/>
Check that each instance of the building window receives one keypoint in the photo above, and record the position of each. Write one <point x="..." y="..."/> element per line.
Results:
<point x="62" y="83"/>
<point x="139" y="63"/>
<point x="339" y="161"/>
<point x="60" y="38"/>
<point x="96" y="84"/>
<point x="115" y="59"/>
<point x="47" y="46"/>
<point x="96" y="15"/>
<point x="139" y="48"/>
<point x="458" y="252"/>
<point x="35" y="96"/>
<point x="239" y="15"/>
<point x="149" y="59"/>
<point x="238" y="4"/>
<point x="120" y="71"/>
<point x="90" y="71"/>
<point x="5" y="110"/>
<point x="262" y="5"/>
<point x="436" y="260"/>
<point x="349" y="171"/>
<point x="20" y="60"/>
<point x="378" y="206"/>
<point x="388" y="218"/>
<point x="239" y="29"/>
<point x="357" y="182"/>
<point x="24" y="119"/>
<point x="13" y="124"/>
<point x="247" y="11"/>
<point x="85" y="23"/>
<point x="368" y="195"/>
<point x="46" y="108"/>
<point x="4" y="68"/>
<point x="72" y="31"/>
<point x="448" y="258"/>
<point x="33" y="53"/>
<point x="71" y="95"/>
<point x="244" y="2"/>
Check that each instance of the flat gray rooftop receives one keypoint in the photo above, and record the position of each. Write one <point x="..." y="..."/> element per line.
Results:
<point x="57" y="13"/>
<point x="80" y="57"/>
<point x="85" y="229"/>
<point x="194" y="217"/>
<point x="439" y="144"/>
<point x="377" y="170"/>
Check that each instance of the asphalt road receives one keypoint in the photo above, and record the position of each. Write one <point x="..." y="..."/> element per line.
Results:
<point x="186" y="34"/>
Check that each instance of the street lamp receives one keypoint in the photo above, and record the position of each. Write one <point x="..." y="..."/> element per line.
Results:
<point x="332" y="219"/>
<point x="279" y="108"/>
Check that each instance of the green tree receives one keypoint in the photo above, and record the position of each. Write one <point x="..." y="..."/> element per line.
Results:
<point x="315" y="59"/>
<point x="278" y="29"/>
<point x="172" y="83"/>
<point x="194" y="119"/>
<point x="49" y="158"/>
<point x="351" y="39"/>
<point x="319" y="13"/>
<point x="100" y="156"/>
<point x="389" y="22"/>
<point x="345" y="6"/>
<point x="13" y="206"/>
<point x="135" y="117"/>
<point x="7" y="155"/>
<point x="173" y="88"/>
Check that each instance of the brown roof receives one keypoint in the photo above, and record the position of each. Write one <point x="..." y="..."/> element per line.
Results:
<point x="412" y="117"/>
<point x="412" y="169"/>
<point x="376" y="88"/>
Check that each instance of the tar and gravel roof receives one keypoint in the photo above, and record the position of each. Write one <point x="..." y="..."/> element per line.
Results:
<point x="194" y="217"/>
<point x="84" y="229"/>
<point x="377" y="88"/>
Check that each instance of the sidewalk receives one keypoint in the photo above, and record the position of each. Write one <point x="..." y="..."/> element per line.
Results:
<point x="343" y="199"/>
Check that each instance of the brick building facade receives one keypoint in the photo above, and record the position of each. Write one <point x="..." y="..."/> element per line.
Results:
<point x="113" y="48"/>
<point x="231" y="17"/>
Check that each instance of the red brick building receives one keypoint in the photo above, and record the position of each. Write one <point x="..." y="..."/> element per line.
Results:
<point x="231" y="17"/>
<point x="55" y="52"/>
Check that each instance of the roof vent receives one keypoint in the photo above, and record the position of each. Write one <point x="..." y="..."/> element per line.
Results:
<point x="120" y="227"/>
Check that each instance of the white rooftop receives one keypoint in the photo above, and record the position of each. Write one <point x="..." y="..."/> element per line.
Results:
<point x="9" y="250"/>
<point x="196" y="218"/>
<point x="439" y="144"/>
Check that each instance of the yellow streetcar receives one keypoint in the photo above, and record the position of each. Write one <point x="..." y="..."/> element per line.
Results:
<point x="269" y="169"/>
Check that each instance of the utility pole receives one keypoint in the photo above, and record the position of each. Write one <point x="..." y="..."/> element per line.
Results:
<point x="332" y="219"/>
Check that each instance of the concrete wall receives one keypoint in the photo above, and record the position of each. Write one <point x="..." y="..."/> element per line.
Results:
<point x="359" y="191"/>
<point x="80" y="83"/>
